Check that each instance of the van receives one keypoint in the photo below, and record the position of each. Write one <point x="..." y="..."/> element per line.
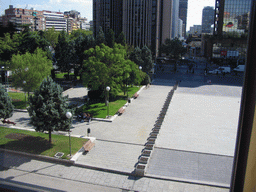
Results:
<point x="225" y="69"/>
<point x="239" y="68"/>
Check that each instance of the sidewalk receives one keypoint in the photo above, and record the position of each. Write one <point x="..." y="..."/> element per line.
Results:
<point x="45" y="176"/>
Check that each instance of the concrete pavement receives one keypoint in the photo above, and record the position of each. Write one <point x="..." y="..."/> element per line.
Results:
<point x="45" y="176"/>
<point x="119" y="143"/>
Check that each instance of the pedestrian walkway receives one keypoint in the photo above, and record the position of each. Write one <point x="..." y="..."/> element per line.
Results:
<point x="119" y="144"/>
<point x="46" y="176"/>
<point x="197" y="138"/>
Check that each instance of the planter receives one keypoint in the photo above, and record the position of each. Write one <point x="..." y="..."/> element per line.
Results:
<point x="149" y="146"/>
<point x="143" y="160"/>
<point x="146" y="153"/>
<point x="140" y="170"/>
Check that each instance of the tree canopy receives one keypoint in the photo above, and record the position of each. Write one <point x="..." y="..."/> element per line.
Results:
<point x="100" y="37"/>
<point x="28" y="70"/>
<point x="142" y="57"/>
<point x="65" y="52"/>
<point x="47" y="103"/>
<point x="173" y="48"/>
<point x="108" y="67"/>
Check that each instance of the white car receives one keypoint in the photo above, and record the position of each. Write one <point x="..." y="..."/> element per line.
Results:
<point x="220" y="70"/>
<point x="215" y="71"/>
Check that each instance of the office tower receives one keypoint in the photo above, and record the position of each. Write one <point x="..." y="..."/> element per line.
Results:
<point x="231" y="16"/>
<point x="207" y="19"/>
<point x="144" y="22"/>
<point x="183" y="9"/>
<point x="137" y="21"/>
<point x="175" y="18"/>
<point x="108" y="14"/>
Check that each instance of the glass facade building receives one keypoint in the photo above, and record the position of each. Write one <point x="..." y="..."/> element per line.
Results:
<point x="232" y="16"/>
<point x="231" y="25"/>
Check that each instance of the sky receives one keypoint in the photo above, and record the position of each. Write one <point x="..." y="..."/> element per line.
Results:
<point x="194" y="16"/>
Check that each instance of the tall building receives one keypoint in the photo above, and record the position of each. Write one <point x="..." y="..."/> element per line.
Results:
<point x="144" y="22"/>
<point x="108" y="14"/>
<point x="19" y="16"/>
<point x="207" y="19"/>
<point x="56" y="20"/>
<point x="183" y="9"/>
<point x="43" y="20"/>
<point x="195" y="30"/>
<point x="231" y="23"/>
<point x="175" y="18"/>
<point x="232" y="16"/>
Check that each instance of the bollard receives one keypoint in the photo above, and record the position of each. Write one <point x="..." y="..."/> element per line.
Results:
<point x="88" y="132"/>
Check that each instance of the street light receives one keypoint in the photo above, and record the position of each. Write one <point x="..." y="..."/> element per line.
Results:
<point x="108" y="89"/>
<point x="140" y="67"/>
<point x="69" y="115"/>
<point x="24" y="82"/>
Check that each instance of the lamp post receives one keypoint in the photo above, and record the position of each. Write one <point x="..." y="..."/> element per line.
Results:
<point x="24" y="82"/>
<point x="108" y="89"/>
<point x="140" y="67"/>
<point x="69" y="115"/>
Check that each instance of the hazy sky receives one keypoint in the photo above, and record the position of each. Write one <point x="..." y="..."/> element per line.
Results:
<point x="195" y="7"/>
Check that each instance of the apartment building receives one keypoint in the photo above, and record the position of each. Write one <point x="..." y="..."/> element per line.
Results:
<point x="21" y="16"/>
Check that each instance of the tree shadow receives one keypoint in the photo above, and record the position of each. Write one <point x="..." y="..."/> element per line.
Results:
<point x="27" y="143"/>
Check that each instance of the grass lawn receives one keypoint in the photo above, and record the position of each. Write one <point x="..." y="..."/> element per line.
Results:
<point x="99" y="110"/>
<point x="61" y="75"/>
<point x="37" y="143"/>
<point x="18" y="99"/>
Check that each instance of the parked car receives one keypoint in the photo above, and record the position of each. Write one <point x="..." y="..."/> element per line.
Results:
<point x="220" y="70"/>
<point x="239" y="68"/>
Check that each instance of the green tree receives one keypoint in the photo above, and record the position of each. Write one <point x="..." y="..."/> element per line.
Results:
<point x="76" y="33"/>
<point x="51" y="36"/>
<point x="8" y="47"/>
<point x="82" y="43"/>
<point x="121" y="39"/>
<point x="173" y="48"/>
<point x="135" y="56"/>
<point x="110" y="39"/>
<point x="142" y="57"/>
<point x="28" y="70"/>
<point x="48" y="108"/>
<point x="65" y="52"/>
<point x="106" y="67"/>
<point x="146" y="57"/>
<point x="6" y="106"/>
<point x="100" y="37"/>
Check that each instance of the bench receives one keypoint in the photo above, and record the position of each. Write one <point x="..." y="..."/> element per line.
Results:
<point x="8" y="122"/>
<point x="121" y="111"/>
<point x="88" y="145"/>
<point x="135" y="95"/>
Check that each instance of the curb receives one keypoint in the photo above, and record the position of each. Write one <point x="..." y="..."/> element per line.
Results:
<point x="189" y="181"/>
<point x="39" y="157"/>
<point x="72" y="163"/>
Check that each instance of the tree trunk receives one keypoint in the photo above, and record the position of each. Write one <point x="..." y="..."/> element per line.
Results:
<point x="50" y="136"/>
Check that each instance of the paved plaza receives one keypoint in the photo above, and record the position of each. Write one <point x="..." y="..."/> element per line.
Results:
<point x="195" y="144"/>
<point x="46" y="176"/>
